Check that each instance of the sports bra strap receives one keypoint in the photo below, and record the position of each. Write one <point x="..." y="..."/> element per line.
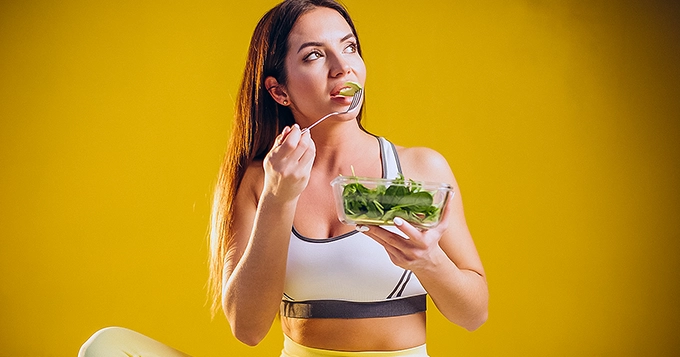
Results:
<point x="390" y="160"/>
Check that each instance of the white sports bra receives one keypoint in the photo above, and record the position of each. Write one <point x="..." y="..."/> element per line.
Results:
<point x="351" y="275"/>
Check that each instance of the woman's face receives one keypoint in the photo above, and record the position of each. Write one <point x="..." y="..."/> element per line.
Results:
<point x="322" y="56"/>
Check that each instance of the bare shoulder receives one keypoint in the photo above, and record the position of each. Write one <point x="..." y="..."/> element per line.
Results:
<point x="254" y="171"/>
<point x="252" y="182"/>
<point x="424" y="164"/>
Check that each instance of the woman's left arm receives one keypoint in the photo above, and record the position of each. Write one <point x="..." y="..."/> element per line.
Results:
<point x="444" y="258"/>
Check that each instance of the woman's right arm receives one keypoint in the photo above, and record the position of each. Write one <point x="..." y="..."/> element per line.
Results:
<point x="264" y="210"/>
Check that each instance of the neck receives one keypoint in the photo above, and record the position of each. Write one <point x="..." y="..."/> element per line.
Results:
<point x="342" y="147"/>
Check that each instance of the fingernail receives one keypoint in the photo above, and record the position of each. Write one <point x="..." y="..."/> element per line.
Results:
<point x="296" y="125"/>
<point x="362" y="228"/>
<point x="398" y="221"/>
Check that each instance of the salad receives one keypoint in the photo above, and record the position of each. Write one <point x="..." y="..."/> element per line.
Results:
<point x="379" y="201"/>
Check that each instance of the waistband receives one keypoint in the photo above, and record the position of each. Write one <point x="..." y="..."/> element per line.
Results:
<point x="353" y="310"/>
<point x="294" y="349"/>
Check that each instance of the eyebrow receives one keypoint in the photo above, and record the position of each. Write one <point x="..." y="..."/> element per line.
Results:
<point x="319" y="44"/>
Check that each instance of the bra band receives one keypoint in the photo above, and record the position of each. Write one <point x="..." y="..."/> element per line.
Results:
<point x="337" y="309"/>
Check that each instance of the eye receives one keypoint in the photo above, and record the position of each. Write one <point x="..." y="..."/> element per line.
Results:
<point x="314" y="55"/>
<point x="351" y="48"/>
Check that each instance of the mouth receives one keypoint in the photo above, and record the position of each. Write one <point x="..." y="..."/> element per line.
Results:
<point x="343" y="89"/>
<point x="336" y="92"/>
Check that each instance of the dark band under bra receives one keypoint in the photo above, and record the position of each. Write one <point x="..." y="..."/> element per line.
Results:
<point x="338" y="309"/>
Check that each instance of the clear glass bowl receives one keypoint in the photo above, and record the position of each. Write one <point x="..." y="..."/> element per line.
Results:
<point x="377" y="201"/>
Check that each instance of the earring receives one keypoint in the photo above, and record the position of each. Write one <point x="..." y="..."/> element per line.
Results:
<point x="285" y="102"/>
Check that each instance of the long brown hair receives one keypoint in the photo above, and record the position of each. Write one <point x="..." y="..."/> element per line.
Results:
<point x="257" y="121"/>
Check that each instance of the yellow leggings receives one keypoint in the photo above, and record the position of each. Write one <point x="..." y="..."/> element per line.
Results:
<point x="122" y="342"/>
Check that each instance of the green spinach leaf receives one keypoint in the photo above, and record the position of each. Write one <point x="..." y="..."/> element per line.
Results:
<point x="405" y="199"/>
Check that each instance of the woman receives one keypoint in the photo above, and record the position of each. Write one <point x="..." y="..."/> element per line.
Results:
<point x="277" y="247"/>
<point x="274" y="208"/>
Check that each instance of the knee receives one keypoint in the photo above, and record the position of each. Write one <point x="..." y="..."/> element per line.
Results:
<point x="105" y="342"/>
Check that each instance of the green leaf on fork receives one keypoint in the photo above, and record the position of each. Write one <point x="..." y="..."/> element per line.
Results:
<point x="352" y="87"/>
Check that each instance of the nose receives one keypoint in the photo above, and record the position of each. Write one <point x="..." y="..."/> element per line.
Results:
<point x="339" y="66"/>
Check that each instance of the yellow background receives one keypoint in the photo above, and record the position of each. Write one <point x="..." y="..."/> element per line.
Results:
<point x="559" y="119"/>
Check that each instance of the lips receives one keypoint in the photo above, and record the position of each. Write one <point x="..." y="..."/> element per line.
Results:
<point x="336" y="90"/>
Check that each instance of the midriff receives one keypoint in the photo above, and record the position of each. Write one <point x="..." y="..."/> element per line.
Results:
<point x="373" y="334"/>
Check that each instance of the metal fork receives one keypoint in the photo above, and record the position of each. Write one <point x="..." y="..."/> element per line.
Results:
<point x="356" y="98"/>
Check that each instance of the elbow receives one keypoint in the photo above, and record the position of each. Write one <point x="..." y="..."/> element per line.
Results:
<point x="478" y="314"/>
<point x="248" y="335"/>
<point x="476" y="321"/>
<point x="249" y="339"/>
<point x="245" y="328"/>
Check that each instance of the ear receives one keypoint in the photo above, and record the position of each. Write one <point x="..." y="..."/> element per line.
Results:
<point x="276" y="90"/>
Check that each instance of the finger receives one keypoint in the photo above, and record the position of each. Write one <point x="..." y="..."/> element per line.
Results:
<point x="309" y="155"/>
<point x="285" y="133"/>
<point x="390" y="238"/>
<point x="371" y="234"/>
<point x="301" y="148"/>
<point x="282" y="136"/>
<point x="414" y="234"/>
<point x="396" y="255"/>
<point x="290" y="141"/>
